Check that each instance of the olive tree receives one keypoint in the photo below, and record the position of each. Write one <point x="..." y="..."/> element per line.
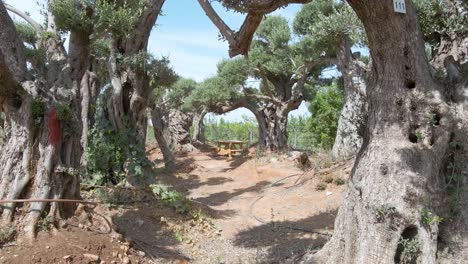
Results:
<point x="402" y="180"/>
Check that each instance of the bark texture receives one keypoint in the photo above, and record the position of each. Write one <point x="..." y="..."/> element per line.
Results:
<point x="42" y="150"/>
<point x="198" y="126"/>
<point x="177" y="130"/>
<point x="159" y="127"/>
<point x="353" y="117"/>
<point x="397" y="172"/>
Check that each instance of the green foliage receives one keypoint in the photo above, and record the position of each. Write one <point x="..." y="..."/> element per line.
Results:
<point x="177" y="93"/>
<point x="324" y="23"/>
<point x="119" y="17"/>
<point x="429" y="218"/>
<point x="321" y="186"/>
<point x="328" y="179"/>
<point x="45" y="223"/>
<point x="234" y="72"/>
<point x="385" y="212"/>
<point x="245" y="130"/>
<point x="297" y="132"/>
<point x="178" y="201"/>
<point x="26" y="32"/>
<point x="325" y="108"/>
<point x="410" y="249"/>
<point x="37" y="110"/>
<point x="64" y="113"/>
<point x="419" y="135"/>
<point x="440" y="18"/>
<point x="339" y="181"/>
<point x="112" y="155"/>
<point x="7" y="233"/>
<point x="76" y="15"/>
<point x="271" y="47"/>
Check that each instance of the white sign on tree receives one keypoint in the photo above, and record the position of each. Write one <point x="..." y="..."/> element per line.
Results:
<point x="399" y="6"/>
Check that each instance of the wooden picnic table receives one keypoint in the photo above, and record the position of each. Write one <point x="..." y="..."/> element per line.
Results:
<point x="232" y="146"/>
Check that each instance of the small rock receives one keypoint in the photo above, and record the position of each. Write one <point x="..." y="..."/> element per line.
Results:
<point x="114" y="254"/>
<point x="67" y="257"/>
<point x="91" y="257"/>
<point x="328" y="193"/>
<point x="141" y="253"/>
<point x="125" y="260"/>
<point x="124" y="249"/>
<point x="47" y="247"/>
<point x="81" y="226"/>
<point x="140" y="222"/>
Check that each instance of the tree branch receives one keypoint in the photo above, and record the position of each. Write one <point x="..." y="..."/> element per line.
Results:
<point x="262" y="73"/>
<point x="146" y="23"/>
<point x="13" y="69"/>
<point x="225" y="30"/>
<point x="24" y="16"/>
<point x="239" y="42"/>
<point x="263" y="6"/>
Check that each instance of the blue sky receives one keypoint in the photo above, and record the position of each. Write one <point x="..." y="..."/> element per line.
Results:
<point x="186" y="35"/>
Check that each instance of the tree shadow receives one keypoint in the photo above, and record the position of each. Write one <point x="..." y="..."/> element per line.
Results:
<point x="282" y="241"/>
<point x="141" y="227"/>
<point x="220" y="198"/>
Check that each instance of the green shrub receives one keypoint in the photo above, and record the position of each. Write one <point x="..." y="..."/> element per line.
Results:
<point x="339" y="181"/>
<point x="328" y="179"/>
<point x="174" y="199"/>
<point x="429" y="218"/>
<point x="112" y="156"/>
<point x="321" y="187"/>
<point x="322" y="125"/>
<point x="7" y="233"/>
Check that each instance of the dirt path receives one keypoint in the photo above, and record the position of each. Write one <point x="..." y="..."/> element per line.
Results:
<point x="259" y="206"/>
<point x="258" y="211"/>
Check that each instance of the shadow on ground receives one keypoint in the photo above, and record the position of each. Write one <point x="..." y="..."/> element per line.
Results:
<point x="280" y="241"/>
<point x="220" y="198"/>
<point x="144" y="230"/>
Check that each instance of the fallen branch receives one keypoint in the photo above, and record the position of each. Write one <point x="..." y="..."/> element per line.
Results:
<point x="47" y="200"/>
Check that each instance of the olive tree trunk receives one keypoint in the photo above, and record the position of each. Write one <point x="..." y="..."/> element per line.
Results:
<point x="42" y="149"/>
<point x="159" y="127"/>
<point x="352" y="121"/>
<point x="273" y="126"/>
<point x="396" y="176"/>
<point x="198" y="126"/>
<point x="177" y="130"/>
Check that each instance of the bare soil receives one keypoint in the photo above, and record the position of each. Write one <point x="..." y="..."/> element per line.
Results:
<point x="245" y="210"/>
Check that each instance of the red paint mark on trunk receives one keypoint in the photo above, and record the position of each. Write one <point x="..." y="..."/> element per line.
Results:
<point x="54" y="127"/>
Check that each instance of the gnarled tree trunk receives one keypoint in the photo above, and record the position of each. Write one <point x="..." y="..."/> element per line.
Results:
<point x="351" y="125"/>
<point x="42" y="150"/>
<point x="177" y="130"/>
<point x="198" y="126"/>
<point x="272" y="126"/>
<point x="159" y="127"/>
<point x="397" y="172"/>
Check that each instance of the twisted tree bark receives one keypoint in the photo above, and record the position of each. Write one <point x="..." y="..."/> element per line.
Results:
<point x="397" y="172"/>
<point x="198" y="126"/>
<point x="351" y="125"/>
<point x="42" y="150"/>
